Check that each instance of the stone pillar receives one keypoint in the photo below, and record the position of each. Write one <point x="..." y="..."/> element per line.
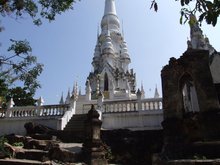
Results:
<point x="93" y="151"/>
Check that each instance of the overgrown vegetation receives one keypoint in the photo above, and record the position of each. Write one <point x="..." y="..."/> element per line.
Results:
<point x="18" y="144"/>
<point x="3" y="140"/>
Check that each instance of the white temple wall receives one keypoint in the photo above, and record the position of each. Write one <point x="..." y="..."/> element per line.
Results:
<point x="140" y="120"/>
<point x="16" y="125"/>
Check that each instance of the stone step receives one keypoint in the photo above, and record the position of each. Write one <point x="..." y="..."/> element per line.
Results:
<point x="39" y="144"/>
<point x="23" y="162"/>
<point x="32" y="154"/>
<point x="76" y="123"/>
<point x="194" y="162"/>
<point x="208" y="149"/>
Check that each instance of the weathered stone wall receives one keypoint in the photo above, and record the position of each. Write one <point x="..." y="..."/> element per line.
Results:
<point x="183" y="128"/>
<point x="194" y="63"/>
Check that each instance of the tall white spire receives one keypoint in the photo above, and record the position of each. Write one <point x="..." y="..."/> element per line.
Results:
<point x="111" y="60"/>
<point x="110" y="19"/>
<point x="110" y="7"/>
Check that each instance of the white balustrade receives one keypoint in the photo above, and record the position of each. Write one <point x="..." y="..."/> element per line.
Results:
<point x="132" y="105"/>
<point x="30" y="111"/>
<point x="128" y="105"/>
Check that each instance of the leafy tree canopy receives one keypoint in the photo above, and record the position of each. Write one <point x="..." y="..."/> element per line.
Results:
<point x="20" y="65"/>
<point x="21" y="96"/>
<point x="47" y="9"/>
<point x="207" y="10"/>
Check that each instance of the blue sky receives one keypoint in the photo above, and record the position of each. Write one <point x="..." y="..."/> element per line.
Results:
<point x="66" y="46"/>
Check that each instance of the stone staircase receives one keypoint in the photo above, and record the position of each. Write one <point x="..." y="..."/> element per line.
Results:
<point x="40" y="152"/>
<point x="76" y="123"/>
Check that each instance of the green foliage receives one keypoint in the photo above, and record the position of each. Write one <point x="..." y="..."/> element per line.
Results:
<point x="20" y="65"/>
<point x="21" y="97"/>
<point x="199" y="157"/>
<point x="18" y="144"/>
<point x="207" y="10"/>
<point x="154" y="5"/>
<point x="3" y="140"/>
<point x="3" y="93"/>
<point x="108" y="152"/>
<point x="47" y="9"/>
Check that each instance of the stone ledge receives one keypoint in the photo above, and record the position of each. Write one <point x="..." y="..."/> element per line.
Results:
<point x="194" y="162"/>
<point x="23" y="162"/>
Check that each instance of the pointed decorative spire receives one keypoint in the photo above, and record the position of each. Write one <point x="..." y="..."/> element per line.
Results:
<point x="142" y="91"/>
<point x="122" y="29"/>
<point x="40" y="101"/>
<point x="68" y="97"/>
<point x="156" y="93"/>
<point x="61" y="99"/>
<point x="75" y="93"/>
<point x="76" y="88"/>
<point x="197" y="39"/>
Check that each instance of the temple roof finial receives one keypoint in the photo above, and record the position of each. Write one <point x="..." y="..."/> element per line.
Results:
<point x="110" y="7"/>
<point x="156" y="93"/>
<point x="142" y="90"/>
<point x="61" y="99"/>
<point x="122" y="31"/>
<point x="67" y="101"/>
<point x="110" y="17"/>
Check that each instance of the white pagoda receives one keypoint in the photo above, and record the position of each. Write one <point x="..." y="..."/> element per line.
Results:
<point x="111" y="74"/>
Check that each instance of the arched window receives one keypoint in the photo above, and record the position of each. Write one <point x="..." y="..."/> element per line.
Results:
<point x="106" y="82"/>
<point x="189" y="95"/>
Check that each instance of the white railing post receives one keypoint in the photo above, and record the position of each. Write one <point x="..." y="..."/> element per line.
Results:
<point x="40" y="102"/>
<point x="10" y="105"/>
